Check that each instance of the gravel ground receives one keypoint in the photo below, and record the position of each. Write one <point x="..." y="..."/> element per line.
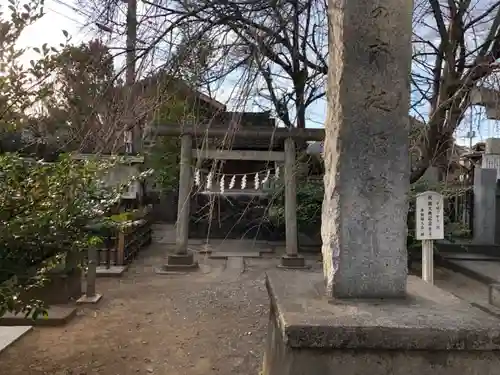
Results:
<point x="212" y="321"/>
<point x="209" y="322"/>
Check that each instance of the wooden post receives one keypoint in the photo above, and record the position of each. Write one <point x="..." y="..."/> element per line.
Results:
<point x="429" y="222"/>
<point x="290" y="199"/>
<point x="291" y="259"/>
<point x="183" y="206"/>
<point x="428" y="261"/>
<point x="120" y="248"/>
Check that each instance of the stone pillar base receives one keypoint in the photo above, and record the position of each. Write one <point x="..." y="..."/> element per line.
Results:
<point x="178" y="263"/>
<point x="428" y="332"/>
<point x="89" y="300"/>
<point x="292" y="262"/>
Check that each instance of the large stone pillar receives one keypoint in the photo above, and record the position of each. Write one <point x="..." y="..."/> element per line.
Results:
<point x="366" y="328"/>
<point x="366" y="148"/>
<point x="181" y="257"/>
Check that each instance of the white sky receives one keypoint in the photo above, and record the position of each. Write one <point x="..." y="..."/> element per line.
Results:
<point x="65" y="15"/>
<point x="49" y="28"/>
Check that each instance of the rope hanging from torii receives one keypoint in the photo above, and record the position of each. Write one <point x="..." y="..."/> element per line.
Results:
<point x="260" y="178"/>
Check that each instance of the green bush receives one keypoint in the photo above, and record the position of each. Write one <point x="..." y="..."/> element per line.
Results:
<point x="44" y="211"/>
<point x="309" y="202"/>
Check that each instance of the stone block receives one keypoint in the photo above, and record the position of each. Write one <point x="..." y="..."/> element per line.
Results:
<point x="292" y="262"/>
<point x="229" y="254"/>
<point x="85" y="300"/>
<point x="60" y="288"/>
<point x="112" y="271"/>
<point x="178" y="263"/>
<point x="56" y="316"/>
<point x="430" y="331"/>
<point x="494" y="294"/>
<point x="9" y="335"/>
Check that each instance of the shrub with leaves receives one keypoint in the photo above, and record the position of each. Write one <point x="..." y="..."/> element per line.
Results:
<point x="44" y="211"/>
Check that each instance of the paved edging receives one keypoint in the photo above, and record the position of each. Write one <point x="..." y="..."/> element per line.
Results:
<point x="9" y="335"/>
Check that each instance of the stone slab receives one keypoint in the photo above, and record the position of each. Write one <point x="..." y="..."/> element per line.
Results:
<point x="229" y="254"/>
<point x="113" y="271"/>
<point x="9" y="335"/>
<point x="494" y="294"/>
<point x="234" y="267"/>
<point x="83" y="300"/>
<point x="235" y="263"/>
<point x="57" y="316"/>
<point x="465" y="288"/>
<point x="290" y="262"/>
<point x="168" y="269"/>
<point x="243" y="246"/>
<point x="487" y="272"/>
<point x="466" y="247"/>
<point x="469" y="256"/>
<point x="203" y="249"/>
<point x="427" y="319"/>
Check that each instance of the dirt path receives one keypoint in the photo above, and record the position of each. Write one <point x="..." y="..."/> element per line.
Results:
<point x="209" y="322"/>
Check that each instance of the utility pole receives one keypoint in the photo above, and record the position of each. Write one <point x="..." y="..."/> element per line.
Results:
<point x="133" y="126"/>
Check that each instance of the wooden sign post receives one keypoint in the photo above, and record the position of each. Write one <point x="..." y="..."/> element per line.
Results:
<point x="429" y="227"/>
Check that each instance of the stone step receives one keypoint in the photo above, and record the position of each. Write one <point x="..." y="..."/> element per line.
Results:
<point x="469" y="256"/>
<point x="484" y="271"/>
<point x="56" y="316"/>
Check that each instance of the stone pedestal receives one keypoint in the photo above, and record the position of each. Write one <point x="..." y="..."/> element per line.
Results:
<point x="428" y="332"/>
<point x="179" y="262"/>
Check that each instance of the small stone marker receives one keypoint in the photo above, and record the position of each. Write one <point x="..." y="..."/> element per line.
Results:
<point x="429" y="226"/>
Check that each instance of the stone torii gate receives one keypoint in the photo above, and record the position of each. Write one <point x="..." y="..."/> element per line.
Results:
<point x="182" y="258"/>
